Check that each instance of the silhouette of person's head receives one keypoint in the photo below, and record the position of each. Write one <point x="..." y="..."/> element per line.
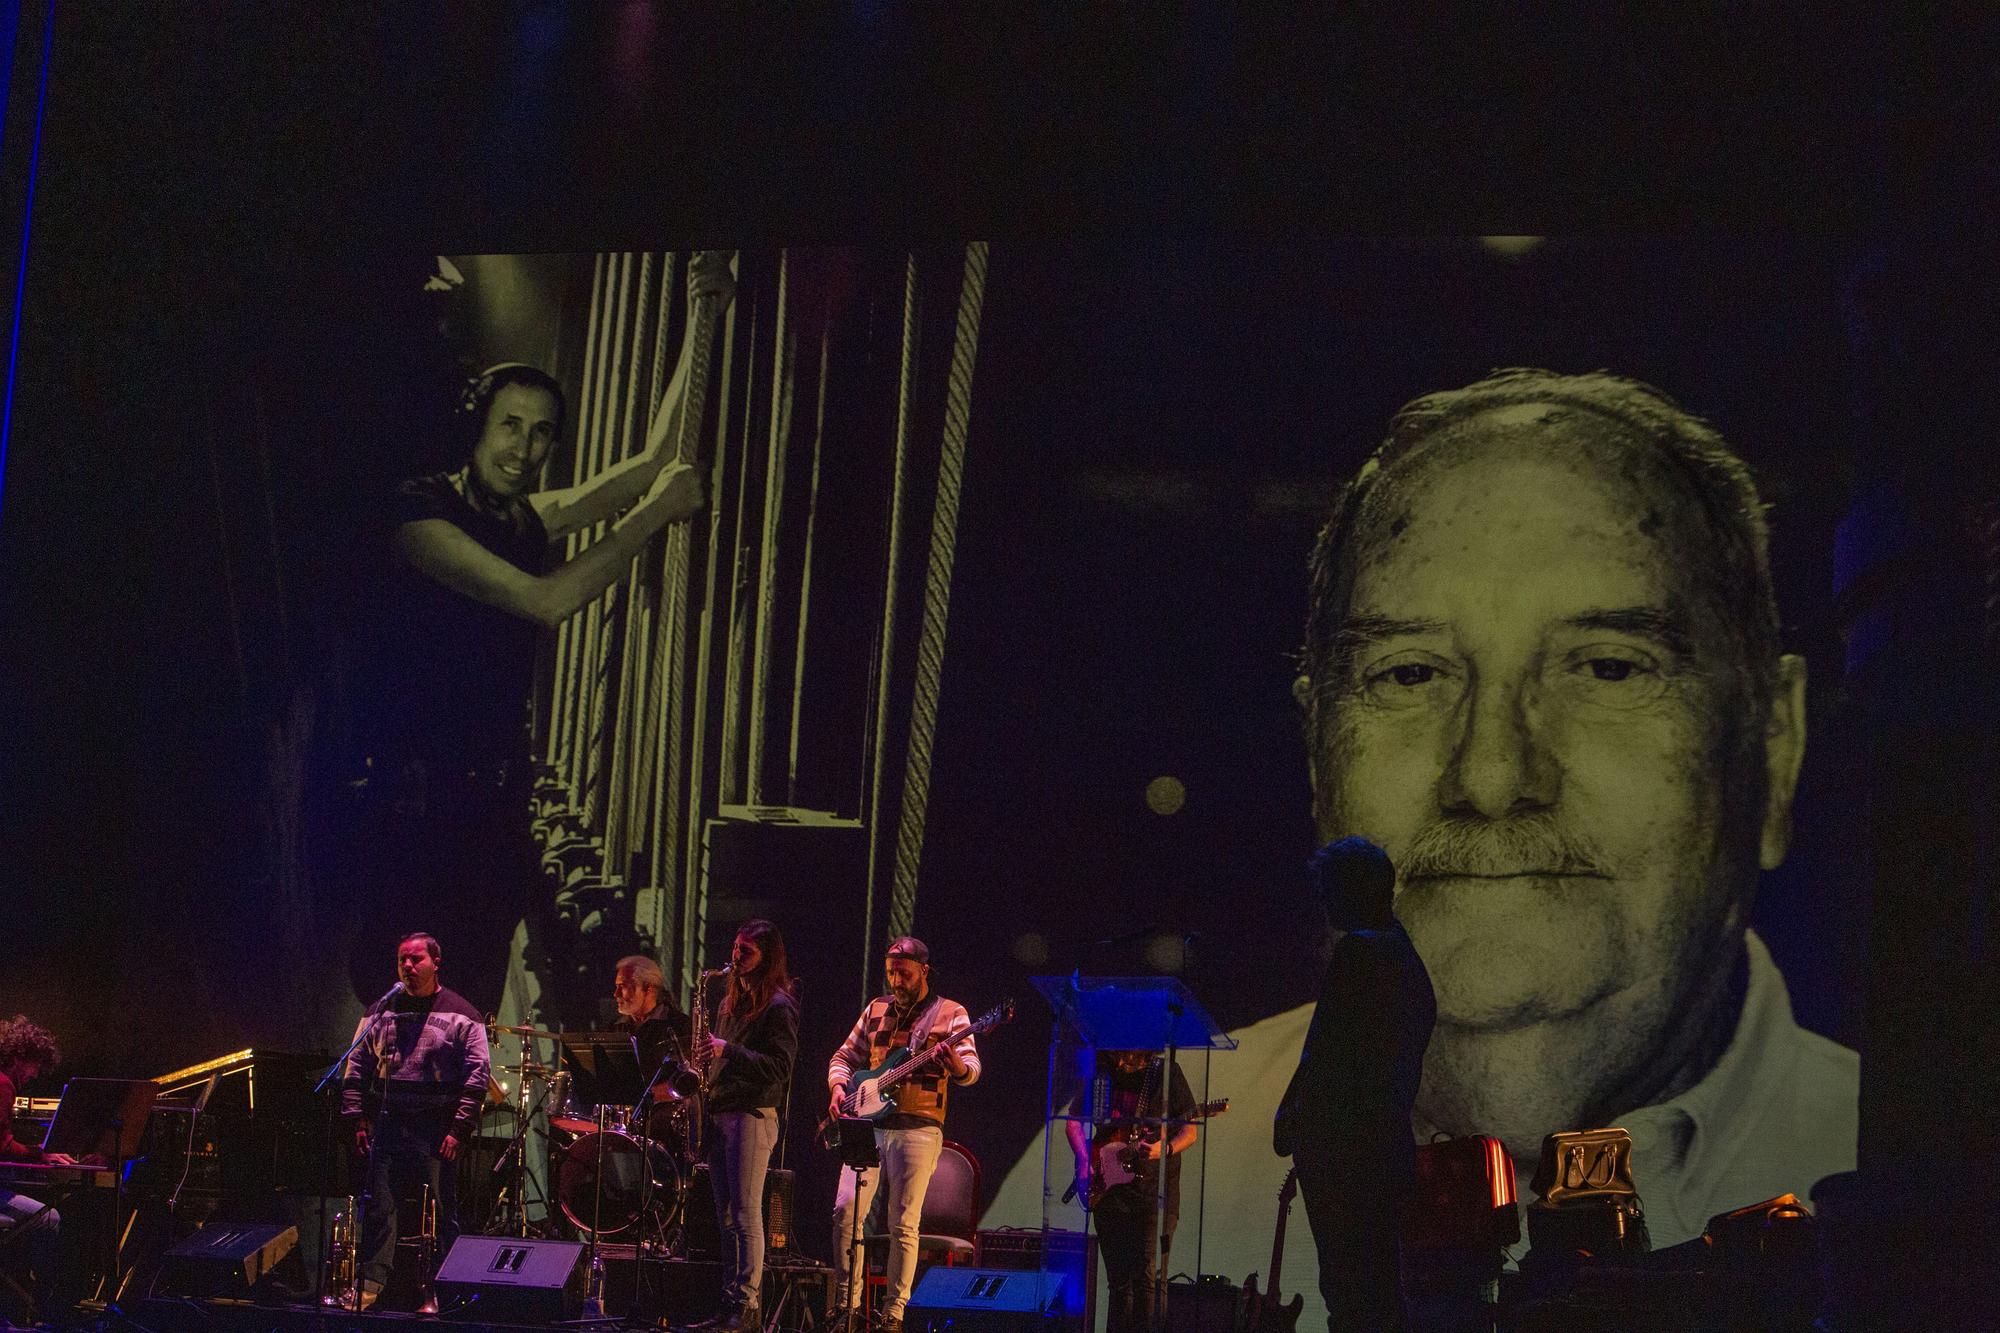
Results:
<point x="1355" y="883"/>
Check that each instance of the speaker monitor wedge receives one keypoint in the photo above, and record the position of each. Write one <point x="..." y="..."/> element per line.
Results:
<point x="226" y="1258"/>
<point x="500" y="1278"/>
<point x="989" y="1300"/>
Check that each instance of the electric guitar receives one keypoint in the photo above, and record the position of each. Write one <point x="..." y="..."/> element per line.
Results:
<point x="1267" y="1313"/>
<point x="1118" y="1157"/>
<point x="869" y="1092"/>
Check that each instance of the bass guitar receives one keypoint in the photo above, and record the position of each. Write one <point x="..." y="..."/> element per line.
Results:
<point x="869" y="1092"/>
<point x="1266" y="1312"/>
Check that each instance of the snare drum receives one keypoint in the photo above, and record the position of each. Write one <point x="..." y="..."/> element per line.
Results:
<point x="641" y="1182"/>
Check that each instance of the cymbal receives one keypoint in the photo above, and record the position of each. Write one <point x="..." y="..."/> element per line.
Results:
<point x="521" y="1032"/>
<point x="529" y="1069"/>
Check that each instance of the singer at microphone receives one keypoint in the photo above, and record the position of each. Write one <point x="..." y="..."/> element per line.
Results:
<point x="411" y="1093"/>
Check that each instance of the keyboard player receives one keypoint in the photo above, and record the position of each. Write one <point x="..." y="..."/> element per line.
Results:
<point x="26" y="1053"/>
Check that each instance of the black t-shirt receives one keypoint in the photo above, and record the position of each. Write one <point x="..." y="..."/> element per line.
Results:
<point x="454" y="676"/>
<point x="1130" y="1099"/>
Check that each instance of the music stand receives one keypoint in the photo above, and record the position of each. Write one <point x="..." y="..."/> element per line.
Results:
<point x="604" y="1069"/>
<point x="104" y="1118"/>
<point x="1125" y="1014"/>
<point x="858" y="1153"/>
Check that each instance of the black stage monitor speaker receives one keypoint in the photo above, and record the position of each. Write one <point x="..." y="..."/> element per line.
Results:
<point x="498" y="1279"/>
<point x="224" y="1259"/>
<point x="1073" y="1253"/>
<point x="988" y="1300"/>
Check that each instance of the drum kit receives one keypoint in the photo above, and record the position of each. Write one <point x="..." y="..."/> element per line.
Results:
<point x="617" y="1170"/>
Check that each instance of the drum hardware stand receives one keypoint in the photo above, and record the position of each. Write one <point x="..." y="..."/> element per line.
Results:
<point x="517" y="1151"/>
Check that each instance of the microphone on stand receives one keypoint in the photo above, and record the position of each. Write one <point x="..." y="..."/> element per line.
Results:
<point x="387" y="996"/>
<point x="1113" y="941"/>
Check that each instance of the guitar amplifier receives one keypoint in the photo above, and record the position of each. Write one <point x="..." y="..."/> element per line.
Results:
<point x="1214" y="1305"/>
<point x="1073" y="1253"/>
<point x="705" y="1241"/>
<point x="1464" y="1197"/>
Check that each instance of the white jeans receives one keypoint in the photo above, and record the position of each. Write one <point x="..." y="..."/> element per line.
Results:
<point x="909" y="1156"/>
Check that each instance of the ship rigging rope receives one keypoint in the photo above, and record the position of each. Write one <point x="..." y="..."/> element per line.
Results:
<point x="937" y="592"/>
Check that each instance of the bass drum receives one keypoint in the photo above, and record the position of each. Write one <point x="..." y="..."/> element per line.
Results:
<point x="641" y="1183"/>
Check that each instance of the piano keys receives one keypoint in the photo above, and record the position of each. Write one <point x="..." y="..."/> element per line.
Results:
<point x="39" y="1178"/>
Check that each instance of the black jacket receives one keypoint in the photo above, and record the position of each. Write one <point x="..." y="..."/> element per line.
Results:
<point x="757" y="1062"/>
<point x="1349" y="1102"/>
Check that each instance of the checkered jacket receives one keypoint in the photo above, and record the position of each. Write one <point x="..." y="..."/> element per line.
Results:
<point x="881" y="1028"/>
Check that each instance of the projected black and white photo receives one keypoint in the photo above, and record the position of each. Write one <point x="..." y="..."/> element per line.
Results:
<point x="1253" y="784"/>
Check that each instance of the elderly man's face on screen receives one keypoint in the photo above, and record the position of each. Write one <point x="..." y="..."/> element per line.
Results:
<point x="1531" y="711"/>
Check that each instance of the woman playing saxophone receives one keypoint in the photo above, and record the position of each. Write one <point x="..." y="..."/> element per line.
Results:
<point x="746" y="1064"/>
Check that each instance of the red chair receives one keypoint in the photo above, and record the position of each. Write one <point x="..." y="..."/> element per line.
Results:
<point x="947" y="1232"/>
<point x="950" y="1224"/>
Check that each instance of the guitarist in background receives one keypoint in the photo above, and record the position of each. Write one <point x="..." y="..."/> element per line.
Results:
<point x="1124" y="1212"/>
<point x="910" y="1137"/>
<point x="1345" y="1119"/>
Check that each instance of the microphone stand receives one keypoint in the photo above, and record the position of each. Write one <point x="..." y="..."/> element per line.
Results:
<point x="641" y="1130"/>
<point x="1169" y="1065"/>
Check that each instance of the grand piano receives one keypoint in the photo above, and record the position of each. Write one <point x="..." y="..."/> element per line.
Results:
<point x="238" y="1136"/>
<point x="239" y="1126"/>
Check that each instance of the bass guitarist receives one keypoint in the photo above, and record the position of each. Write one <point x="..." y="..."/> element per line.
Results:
<point x="910" y="1137"/>
<point x="1124" y="1211"/>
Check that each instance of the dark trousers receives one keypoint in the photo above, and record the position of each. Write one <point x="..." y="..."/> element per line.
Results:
<point x="1125" y="1240"/>
<point x="399" y="1161"/>
<point x="32" y="1231"/>
<point x="1356" y="1227"/>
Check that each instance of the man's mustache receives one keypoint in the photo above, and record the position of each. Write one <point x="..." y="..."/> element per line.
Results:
<point x="1529" y="845"/>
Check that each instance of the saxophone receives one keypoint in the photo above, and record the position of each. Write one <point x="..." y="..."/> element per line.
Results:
<point x="699" y="1067"/>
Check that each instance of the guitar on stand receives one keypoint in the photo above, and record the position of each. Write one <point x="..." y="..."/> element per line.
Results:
<point x="1266" y="1312"/>
<point x="870" y="1094"/>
